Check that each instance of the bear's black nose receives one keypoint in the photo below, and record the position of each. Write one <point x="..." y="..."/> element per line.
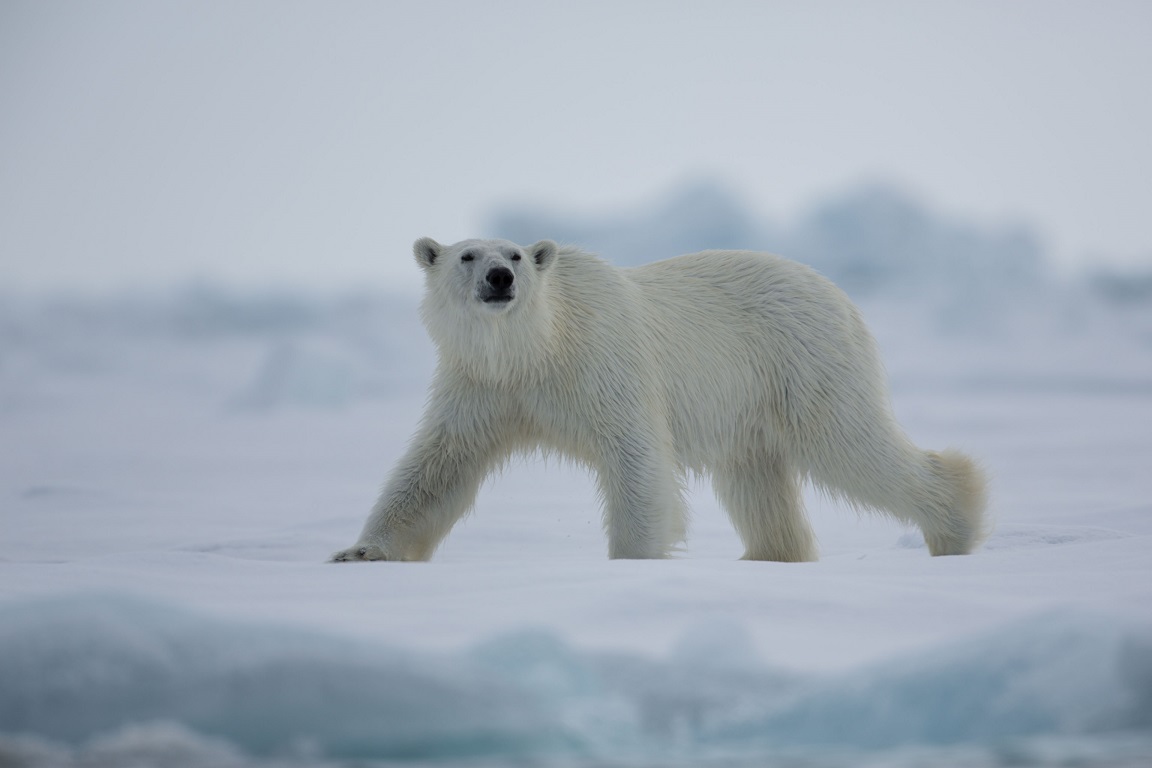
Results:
<point x="500" y="278"/>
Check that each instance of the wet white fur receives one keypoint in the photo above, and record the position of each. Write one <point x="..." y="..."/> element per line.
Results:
<point x="749" y="368"/>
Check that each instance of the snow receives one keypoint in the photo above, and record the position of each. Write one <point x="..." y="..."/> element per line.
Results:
<point x="177" y="468"/>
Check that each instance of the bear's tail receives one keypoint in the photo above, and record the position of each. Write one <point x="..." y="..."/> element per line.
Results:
<point x="964" y="524"/>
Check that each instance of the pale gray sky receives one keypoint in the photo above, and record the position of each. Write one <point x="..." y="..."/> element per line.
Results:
<point x="282" y="141"/>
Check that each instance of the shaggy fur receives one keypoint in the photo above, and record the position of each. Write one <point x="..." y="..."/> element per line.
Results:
<point x="749" y="368"/>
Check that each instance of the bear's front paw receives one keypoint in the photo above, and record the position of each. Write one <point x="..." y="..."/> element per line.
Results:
<point x="360" y="552"/>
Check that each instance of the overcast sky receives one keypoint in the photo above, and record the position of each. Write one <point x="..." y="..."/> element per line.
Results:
<point x="145" y="142"/>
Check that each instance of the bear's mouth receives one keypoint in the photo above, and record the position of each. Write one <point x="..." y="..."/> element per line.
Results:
<point x="497" y="298"/>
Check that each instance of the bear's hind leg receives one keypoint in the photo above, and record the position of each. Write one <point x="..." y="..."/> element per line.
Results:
<point x="943" y="494"/>
<point x="763" y="500"/>
<point x="957" y="527"/>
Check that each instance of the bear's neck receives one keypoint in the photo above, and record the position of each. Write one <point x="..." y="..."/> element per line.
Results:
<point x="514" y="347"/>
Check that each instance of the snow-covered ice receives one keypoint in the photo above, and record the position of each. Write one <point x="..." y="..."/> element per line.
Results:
<point x="176" y="470"/>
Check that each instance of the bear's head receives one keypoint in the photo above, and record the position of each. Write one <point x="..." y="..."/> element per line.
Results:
<point x="490" y="276"/>
<point x="487" y="305"/>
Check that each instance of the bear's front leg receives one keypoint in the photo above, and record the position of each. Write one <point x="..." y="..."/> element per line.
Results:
<point x="644" y="505"/>
<point x="433" y="485"/>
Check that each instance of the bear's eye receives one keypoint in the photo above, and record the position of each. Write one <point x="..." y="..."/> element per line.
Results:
<point x="516" y="257"/>
<point x="467" y="257"/>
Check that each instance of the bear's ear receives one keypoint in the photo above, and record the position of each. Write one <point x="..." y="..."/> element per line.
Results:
<point x="427" y="251"/>
<point x="543" y="253"/>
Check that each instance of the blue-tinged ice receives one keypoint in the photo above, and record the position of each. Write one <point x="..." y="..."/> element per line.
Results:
<point x="86" y="669"/>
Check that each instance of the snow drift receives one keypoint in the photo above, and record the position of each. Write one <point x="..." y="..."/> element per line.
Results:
<point x="79" y="670"/>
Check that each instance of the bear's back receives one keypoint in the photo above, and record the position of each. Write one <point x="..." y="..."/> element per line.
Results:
<point x="735" y="333"/>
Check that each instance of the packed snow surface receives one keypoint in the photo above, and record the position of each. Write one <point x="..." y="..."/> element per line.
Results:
<point x="177" y="469"/>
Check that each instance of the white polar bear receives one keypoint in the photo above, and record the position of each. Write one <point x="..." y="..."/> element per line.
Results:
<point x="752" y="369"/>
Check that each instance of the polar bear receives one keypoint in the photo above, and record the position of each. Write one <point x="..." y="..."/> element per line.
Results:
<point x="743" y="366"/>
